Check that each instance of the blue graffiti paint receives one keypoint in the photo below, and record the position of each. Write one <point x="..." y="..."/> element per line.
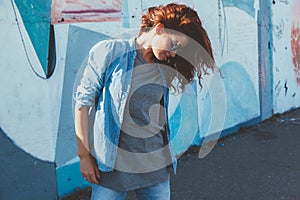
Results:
<point x="245" y="5"/>
<point x="242" y="103"/>
<point x="205" y="119"/>
<point x="183" y="123"/>
<point x="36" y="16"/>
<point x="69" y="179"/>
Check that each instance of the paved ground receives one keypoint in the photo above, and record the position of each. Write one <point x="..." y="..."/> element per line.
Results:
<point x="257" y="162"/>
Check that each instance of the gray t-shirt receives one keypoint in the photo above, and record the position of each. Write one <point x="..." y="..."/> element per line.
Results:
<point x="143" y="155"/>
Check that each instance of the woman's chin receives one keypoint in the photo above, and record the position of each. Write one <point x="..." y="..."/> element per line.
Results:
<point x="163" y="58"/>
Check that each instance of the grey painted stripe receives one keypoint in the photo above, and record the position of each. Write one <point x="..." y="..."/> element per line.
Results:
<point x="265" y="59"/>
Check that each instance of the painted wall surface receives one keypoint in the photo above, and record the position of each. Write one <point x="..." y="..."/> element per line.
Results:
<point x="29" y="113"/>
<point x="286" y="55"/>
<point x="66" y="11"/>
<point x="36" y="113"/>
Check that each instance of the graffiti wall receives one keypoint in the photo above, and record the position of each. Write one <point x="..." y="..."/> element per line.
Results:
<point x="286" y="54"/>
<point x="43" y="60"/>
<point x="236" y="55"/>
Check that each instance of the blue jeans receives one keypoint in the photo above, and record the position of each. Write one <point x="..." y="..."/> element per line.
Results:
<point x="160" y="191"/>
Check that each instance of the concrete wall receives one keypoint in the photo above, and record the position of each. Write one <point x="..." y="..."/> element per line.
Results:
<point x="286" y="55"/>
<point x="253" y="46"/>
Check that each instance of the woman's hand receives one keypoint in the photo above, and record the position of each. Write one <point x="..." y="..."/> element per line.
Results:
<point x="89" y="169"/>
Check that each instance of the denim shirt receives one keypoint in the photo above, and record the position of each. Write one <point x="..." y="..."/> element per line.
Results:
<point x="107" y="76"/>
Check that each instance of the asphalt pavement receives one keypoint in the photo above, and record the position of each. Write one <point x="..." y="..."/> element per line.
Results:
<point x="258" y="162"/>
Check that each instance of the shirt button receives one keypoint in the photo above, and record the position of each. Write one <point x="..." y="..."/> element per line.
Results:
<point x="116" y="140"/>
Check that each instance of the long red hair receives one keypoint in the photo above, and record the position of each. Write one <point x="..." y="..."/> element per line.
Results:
<point x="198" y="57"/>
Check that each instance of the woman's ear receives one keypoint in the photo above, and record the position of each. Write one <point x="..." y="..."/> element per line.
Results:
<point x="159" y="28"/>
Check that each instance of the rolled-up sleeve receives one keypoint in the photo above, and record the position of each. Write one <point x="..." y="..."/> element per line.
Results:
<point x="92" y="80"/>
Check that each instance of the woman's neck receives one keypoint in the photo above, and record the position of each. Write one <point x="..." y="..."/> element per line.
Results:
<point x="143" y="44"/>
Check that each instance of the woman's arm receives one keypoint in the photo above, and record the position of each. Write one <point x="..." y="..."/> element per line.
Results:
<point x="88" y="165"/>
<point x="90" y="87"/>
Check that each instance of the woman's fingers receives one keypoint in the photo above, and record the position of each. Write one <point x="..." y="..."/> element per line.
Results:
<point x="94" y="179"/>
<point x="90" y="177"/>
<point x="89" y="169"/>
<point x="97" y="173"/>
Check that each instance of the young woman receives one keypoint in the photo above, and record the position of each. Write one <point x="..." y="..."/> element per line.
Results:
<point x="130" y="81"/>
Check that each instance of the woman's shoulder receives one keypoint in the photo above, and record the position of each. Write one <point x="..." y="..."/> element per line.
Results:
<point x="113" y="43"/>
<point x="111" y="49"/>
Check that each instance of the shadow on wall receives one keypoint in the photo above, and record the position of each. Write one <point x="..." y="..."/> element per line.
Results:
<point x="23" y="176"/>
